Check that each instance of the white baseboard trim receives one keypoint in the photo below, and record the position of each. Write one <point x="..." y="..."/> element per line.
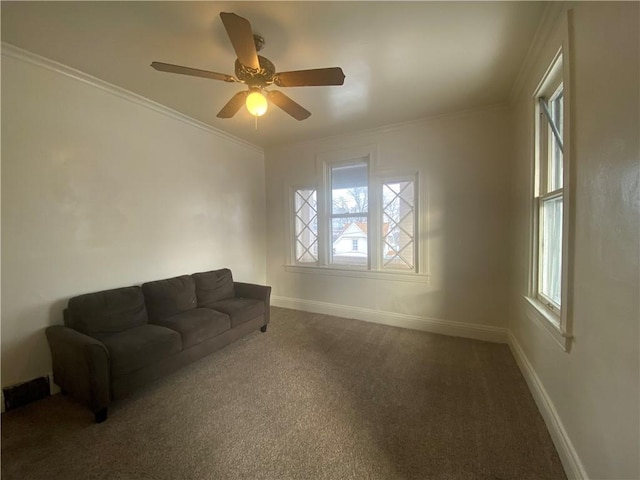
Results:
<point x="568" y="456"/>
<point x="414" y="322"/>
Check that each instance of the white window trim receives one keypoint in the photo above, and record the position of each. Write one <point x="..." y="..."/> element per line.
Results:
<point x="324" y="161"/>
<point x="325" y="209"/>
<point x="558" y="326"/>
<point x="537" y="312"/>
<point x="395" y="275"/>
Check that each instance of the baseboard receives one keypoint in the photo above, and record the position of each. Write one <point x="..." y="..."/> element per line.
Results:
<point x="414" y="322"/>
<point x="568" y="456"/>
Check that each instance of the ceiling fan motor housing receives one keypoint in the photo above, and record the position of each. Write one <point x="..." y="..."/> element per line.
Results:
<point x="256" y="78"/>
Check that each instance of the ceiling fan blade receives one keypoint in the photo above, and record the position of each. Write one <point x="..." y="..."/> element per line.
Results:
<point x="310" y="78"/>
<point x="194" y="72"/>
<point x="233" y="105"/>
<point x="285" y="103"/>
<point x="241" y="36"/>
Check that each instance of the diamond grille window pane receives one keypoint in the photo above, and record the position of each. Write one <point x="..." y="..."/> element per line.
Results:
<point x="398" y="225"/>
<point x="306" y="226"/>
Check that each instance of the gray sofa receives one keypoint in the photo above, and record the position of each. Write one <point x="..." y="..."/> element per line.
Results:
<point x="114" y="341"/>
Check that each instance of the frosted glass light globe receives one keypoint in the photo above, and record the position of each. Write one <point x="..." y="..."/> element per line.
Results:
<point x="256" y="104"/>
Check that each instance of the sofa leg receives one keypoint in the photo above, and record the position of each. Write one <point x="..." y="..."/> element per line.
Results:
<point x="101" y="415"/>
<point x="263" y="328"/>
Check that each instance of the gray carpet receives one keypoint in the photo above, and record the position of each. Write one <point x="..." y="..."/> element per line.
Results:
<point x="316" y="397"/>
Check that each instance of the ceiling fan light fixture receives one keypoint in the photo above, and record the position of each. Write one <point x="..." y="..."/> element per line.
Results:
<point x="257" y="73"/>
<point x="256" y="103"/>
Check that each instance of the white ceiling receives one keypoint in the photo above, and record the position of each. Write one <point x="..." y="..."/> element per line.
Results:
<point x="402" y="60"/>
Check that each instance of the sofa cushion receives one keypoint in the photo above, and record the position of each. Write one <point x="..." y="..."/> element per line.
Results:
<point x="213" y="286"/>
<point x="240" y="310"/>
<point x="135" y="348"/>
<point x="166" y="298"/>
<point x="108" y="311"/>
<point x="197" y="325"/>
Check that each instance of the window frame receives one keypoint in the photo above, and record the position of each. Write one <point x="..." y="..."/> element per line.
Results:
<point x="327" y="219"/>
<point x="387" y="179"/>
<point x="376" y="179"/>
<point x="293" y="238"/>
<point x="556" y="319"/>
<point x="546" y="193"/>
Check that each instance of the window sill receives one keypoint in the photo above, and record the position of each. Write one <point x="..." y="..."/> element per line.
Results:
<point x="369" y="274"/>
<point x="537" y="312"/>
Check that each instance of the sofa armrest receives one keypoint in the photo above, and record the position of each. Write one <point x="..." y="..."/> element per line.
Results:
<point x="80" y="365"/>
<point x="257" y="292"/>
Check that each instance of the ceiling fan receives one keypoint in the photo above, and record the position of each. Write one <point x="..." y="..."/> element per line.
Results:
<point x="257" y="72"/>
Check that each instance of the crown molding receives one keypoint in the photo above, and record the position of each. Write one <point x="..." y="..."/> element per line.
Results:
<point x="548" y="21"/>
<point x="11" y="51"/>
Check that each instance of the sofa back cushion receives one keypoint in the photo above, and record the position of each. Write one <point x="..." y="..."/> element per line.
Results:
<point x="213" y="286"/>
<point x="166" y="298"/>
<point x="105" y="312"/>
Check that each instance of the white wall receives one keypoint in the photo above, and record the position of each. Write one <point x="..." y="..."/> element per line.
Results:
<point x="99" y="190"/>
<point x="594" y="389"/>
<point x="463" y="162"/>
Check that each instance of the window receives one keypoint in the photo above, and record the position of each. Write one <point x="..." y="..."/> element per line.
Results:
<point x="549" y="199"/>
<point x="306" y="226"/>
<point x="349" y="213"/>
<point x="398" y="224"/>
<point x="549" y="264"/>
<point x="358" y="221"/>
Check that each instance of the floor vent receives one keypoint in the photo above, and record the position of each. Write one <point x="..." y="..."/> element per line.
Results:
<point x="27" y="392"/>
